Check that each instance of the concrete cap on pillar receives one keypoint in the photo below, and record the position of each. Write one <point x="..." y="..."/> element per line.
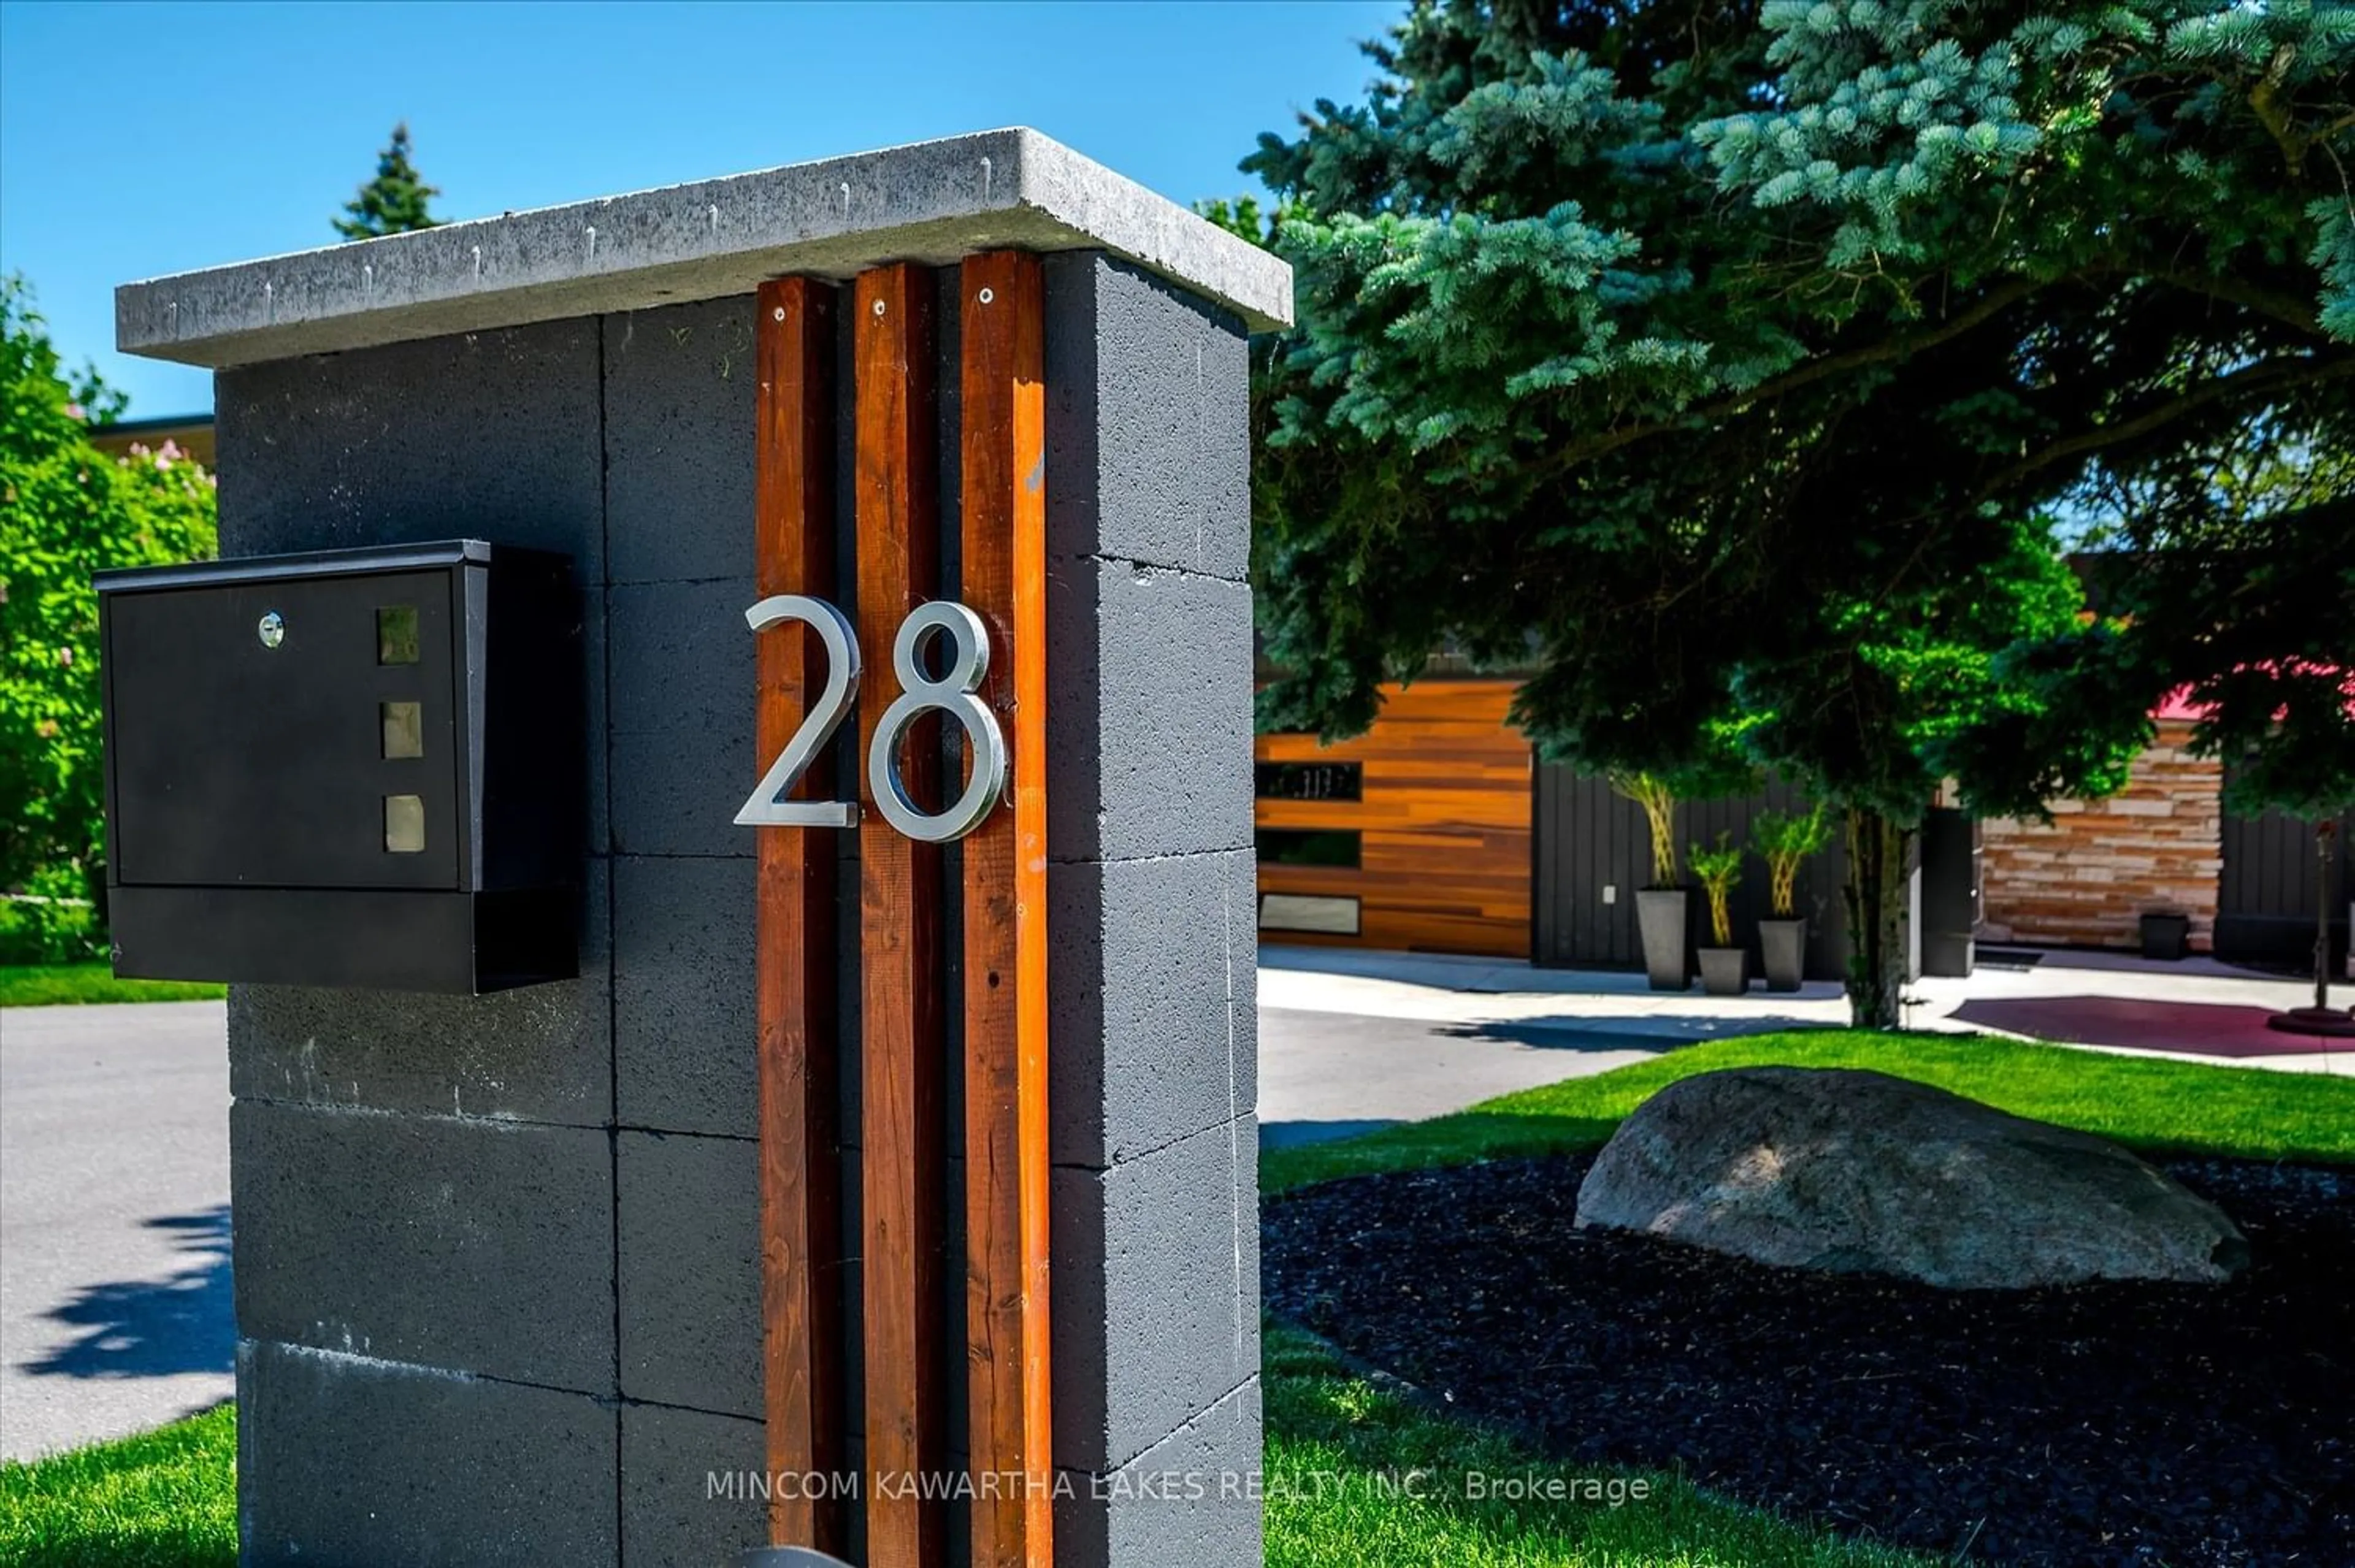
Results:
<point x="930" y="201"/>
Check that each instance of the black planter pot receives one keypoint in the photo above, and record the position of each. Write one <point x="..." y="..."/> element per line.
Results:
<point x="1660" y="917"/>
<point x="1783" y="944"/>
<point x="1725" y="971"/>
<point x="2166" y="937"/>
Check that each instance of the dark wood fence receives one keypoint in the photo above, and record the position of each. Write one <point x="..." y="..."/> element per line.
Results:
<point x="2265" y="902"/>
<point x="1591" y="853"/>
<point x="1594" y="851"/>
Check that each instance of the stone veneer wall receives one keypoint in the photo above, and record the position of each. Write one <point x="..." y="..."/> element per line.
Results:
<point x="2085" y="879"/>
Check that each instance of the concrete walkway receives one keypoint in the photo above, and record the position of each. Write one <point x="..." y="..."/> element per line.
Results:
<point x="2198" y="1010"/>
<point x="1438" y="990"/>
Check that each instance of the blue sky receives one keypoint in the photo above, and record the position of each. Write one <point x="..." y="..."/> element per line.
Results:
<point x="143" y="139"/>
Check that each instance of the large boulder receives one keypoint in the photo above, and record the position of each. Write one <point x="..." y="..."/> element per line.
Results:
<point x="1859" y="1172"/>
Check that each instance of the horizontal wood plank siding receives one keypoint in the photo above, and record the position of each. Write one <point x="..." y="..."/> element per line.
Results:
<point x="1444" y="819"/>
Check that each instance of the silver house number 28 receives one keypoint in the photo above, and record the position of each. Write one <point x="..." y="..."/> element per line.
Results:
<point x="953" y="693"/>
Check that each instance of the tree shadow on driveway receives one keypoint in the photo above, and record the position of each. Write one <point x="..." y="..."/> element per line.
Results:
<point x="184" y="1322"/>
<point x="1291" y="1134"/>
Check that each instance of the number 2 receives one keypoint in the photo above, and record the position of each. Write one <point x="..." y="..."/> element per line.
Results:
<point x="763" y="809"/>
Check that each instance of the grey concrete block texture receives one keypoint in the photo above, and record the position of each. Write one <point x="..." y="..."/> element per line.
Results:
<point x="676" y="792"/>
<point x="469" y="1246"/>
<point x="684" y="659"/>
<point x="682" y="757"/>
<point x="1154" y="1019"/>
<point x="1148" y="752"/>
<point x="683" y="1475"/>
<point x="1148" y="552"/>
<point x="679" y="385"/>
<point x="348" y="1459"/>
<point x="1149" y="397"/>
<point x="489" y="436"/>
<point x="930" y="201"/>
<point x="1156" y="1269"/>
<point x="689" y="1228"/>
<point x="1148" y="543"/>
<point x="686" y="1030"/>
<point x="1190" y="1500"/>
<point x="1154" y="1198"/>
<point x="538" y="1053"/>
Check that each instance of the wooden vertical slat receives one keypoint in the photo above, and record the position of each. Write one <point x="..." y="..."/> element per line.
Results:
<point x="900" y="933"/>
<point x="1004" y="523"/>
<point x="801" y="1240"/>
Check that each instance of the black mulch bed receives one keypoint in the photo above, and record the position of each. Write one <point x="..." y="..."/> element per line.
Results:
<point x="2092" y="1424"/>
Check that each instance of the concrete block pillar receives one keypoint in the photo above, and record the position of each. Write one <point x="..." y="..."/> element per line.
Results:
<point x="497" y="1258"/>
<point x="1153" y="916"/>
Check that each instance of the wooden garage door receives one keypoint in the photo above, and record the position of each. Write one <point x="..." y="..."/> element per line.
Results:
<point x="1439" y="828"/>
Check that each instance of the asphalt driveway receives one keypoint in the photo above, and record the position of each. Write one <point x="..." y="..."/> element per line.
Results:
<point x="1333" y="1074"/>
<point x="114" y="1279"/>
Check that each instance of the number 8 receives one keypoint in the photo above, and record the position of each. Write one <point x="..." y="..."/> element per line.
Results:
<point x="953" y="694"/>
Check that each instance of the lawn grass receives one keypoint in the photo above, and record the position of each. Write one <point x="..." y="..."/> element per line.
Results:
<point x="57" y="984"/>
<point x="2158" y="1107"/>
<point x="164" y="1499"/>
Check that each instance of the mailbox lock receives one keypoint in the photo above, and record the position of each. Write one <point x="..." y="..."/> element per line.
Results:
<point x="272" y="629"/>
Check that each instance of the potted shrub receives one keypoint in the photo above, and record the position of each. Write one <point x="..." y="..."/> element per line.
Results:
<point x="1724" y="967"/>
<point x="1784" y="840"/>
<point x="1660" y="905"/>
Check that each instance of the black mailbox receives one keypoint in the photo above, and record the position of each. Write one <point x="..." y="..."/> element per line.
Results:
<point x="349" y="768"/>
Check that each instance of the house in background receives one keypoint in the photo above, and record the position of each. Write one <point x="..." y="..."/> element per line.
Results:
<point x="192" y="433"/>
<point x="1416" y="834"/>
<point x="1439" y="830"/>
<point x="2084" y="878"/>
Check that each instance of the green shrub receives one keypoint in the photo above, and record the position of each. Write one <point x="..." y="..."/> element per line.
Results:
<point x="66" y="510"/>
<point x="50" y="922"/>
